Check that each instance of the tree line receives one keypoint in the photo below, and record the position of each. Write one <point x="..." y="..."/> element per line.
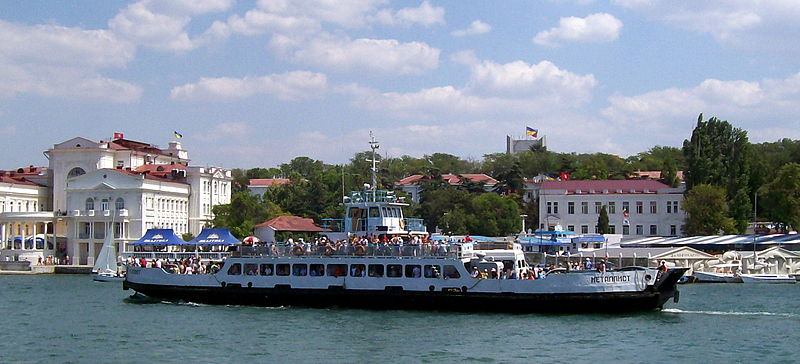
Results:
<point x="718" y="163"/>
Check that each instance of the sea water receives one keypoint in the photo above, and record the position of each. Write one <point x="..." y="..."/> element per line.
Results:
<point x="71" y="319"/>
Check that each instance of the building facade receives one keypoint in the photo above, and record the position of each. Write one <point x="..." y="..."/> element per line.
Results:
<point x="122" y="184"/>
<point x="635" y="207"/>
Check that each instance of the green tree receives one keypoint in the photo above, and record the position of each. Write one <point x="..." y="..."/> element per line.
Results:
<point x="602" y="221"/>
<point x="244" y="212"/>
<point x="494" y="215"/>
<point x="783" y="196"/>
<point x="706" y="211"/>
<point x="718" y="154"/>
<point x="669" y="174"/>
<point x="304" y="166"/>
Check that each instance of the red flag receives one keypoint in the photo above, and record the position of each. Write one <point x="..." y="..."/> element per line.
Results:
<point x="118" y="136"/>
<point x="564" y="176"/>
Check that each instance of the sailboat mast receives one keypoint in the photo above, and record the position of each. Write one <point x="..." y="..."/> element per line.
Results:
<point x="374" y="145"/>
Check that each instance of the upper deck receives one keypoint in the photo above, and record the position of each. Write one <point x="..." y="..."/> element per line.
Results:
<point x="399" y="251"/>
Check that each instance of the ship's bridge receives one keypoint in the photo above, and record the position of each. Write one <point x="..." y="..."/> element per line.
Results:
<point x="373" y="212"/>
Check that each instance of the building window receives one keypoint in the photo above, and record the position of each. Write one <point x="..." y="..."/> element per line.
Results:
<point x="612" y="229"/>
<point x="584" y="229"/>
<point x="597" y="207"/>
<point x="653" y="230"/>
<point x="673" y="230"/>
<point x="571" y="208"/>
<point x="639" y="207"/>
<point x="571" y="227"/>
<point x="584" y="207"/>
<point x="639" y="230"/>
<point x="653" y="207"/>
<point x="75" y="172"/>
<point x="120" y="203"/>
<point x="549" y="207"/>
<point x="555" y="207"/>
<point x="626" y="230"/>
<point x="626" y="207"/>
<point x="104" y="204"/>
<point x="89" y="204"/>
<point x="612" y="207"/>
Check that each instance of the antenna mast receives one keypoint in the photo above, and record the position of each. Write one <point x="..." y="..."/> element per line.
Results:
<point x="374" y="145"/>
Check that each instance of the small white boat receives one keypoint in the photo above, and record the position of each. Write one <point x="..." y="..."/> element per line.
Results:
<point x="712" y="277"/>
<point x="105" y="268"/>
<point x="768" y="278"/>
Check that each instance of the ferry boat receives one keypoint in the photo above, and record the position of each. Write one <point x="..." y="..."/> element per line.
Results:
<point x="387" y="273"/>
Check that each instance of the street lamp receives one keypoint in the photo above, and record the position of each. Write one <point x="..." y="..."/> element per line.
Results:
<point x="523" y="216"/>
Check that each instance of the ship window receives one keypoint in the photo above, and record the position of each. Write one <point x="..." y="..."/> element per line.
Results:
<point x="450" y="271"/>
<point x="266" y="269"/>
<point x="235" y="269"/>
<point x="299" y="269"/>
<point x="375" y="270"/>
<point x="394" y="270"/>
<point x="431" y="271"/>
<point x="317" y="270"/>
<point x="282" y="269"/>
<point x="251" y="269"/>
<point x="337" y="270"/>
<point x="374" y="212"/>
<point x="413" y="271"/>
<point x="357" y="270"/>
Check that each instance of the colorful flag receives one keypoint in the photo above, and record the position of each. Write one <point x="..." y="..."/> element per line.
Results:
<point x="178" y="135"/>
<point x="531" y="131"/>
<point x="118" y="136"/>
<point x="564" y="176"/>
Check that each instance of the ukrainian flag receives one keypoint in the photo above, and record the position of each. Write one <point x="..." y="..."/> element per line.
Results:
<point x="177" y="135"/>
<point x="531" y="131"/>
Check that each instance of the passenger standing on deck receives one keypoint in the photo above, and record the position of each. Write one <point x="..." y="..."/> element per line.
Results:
<point x="602" y="266"/>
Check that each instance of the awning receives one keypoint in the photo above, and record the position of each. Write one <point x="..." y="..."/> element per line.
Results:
<point x="541" y="241"/>
<point x="159" y="237"/>
<point x="214" y="237"/>
<point x="589" y="239"/>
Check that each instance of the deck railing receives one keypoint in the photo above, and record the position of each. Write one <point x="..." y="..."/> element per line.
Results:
<point x="177" y="255"/>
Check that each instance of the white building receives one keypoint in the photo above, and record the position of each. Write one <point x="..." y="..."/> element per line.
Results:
<point x="653" y="208"/>
<point x="135" y="184"/>
<point x="24" y="199"/>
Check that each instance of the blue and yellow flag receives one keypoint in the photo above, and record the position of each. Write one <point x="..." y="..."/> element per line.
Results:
<point x="531" y="132"/>
<point x="177" y="135"/>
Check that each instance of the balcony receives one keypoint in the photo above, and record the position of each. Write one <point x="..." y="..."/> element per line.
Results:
<point x="75" y="213"/>
<point x="106" y="212"/>
<point x="123" y="212"/>
<point x="90" y="213"/>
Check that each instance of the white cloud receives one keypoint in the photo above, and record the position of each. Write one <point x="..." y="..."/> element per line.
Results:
<point x="758" y="106"/>
<point x="741" y="23"/>
<point x="476" y="27"/>
<point x="297" y="85"/>
<point x="375" y="55"/>
<point x="345" y="13"/>
<point x="544" y="80"/>
<point x="224" y="131"/>
<point x="56" y="61"/>
<point x="161" y="24"/>
<point x="424" y="14"/>
<point x="514" y="89"/>
<point x="600" y="27"/>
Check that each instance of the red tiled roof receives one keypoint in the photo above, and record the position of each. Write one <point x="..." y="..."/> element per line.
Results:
<point x="291" y="223"/>
<point x="598" y="186"/>
<point x="269" y="181"/>
<point x="155" y="177"/>
<point x="16" y="181"/>
<point x="19" y="175"/>
<point x="453" y="179"/>
<point x="154" y="168"/>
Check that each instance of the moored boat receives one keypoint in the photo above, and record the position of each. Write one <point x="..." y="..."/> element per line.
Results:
<point x="768" y="278"/>
<point x="713" y="277"/>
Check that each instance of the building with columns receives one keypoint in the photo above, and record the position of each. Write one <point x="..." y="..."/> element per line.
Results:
<point x="91" y="185"/>
<point x="635" y="207"/>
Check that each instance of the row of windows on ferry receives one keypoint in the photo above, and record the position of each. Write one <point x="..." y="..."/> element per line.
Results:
<point x="356" y="212"/>
<point x="20" y="206"/>
<point x="626" y="229"/>
<point x="345" y="270"/>
<point x="611" y="207"/>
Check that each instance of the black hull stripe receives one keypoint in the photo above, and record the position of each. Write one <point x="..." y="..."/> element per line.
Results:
<point x="399" y="299"/>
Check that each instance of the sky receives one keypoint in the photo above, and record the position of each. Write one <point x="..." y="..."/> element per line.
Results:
<point x="257" y="83"/>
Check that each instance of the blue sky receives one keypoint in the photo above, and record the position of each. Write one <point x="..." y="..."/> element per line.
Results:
<point x="256" y="83"/>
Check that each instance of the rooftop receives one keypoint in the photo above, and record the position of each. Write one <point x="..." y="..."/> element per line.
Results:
<point x="269" y="181"/>
<point x="624" y="186"/>
<point x="291" y="223"/>
<point x="453" y="179"/>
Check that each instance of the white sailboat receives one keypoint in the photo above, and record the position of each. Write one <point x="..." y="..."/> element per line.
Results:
<point x="105" y="267"/>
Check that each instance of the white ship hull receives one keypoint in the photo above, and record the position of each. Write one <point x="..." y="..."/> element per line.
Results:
<point x="768" y="278"/>
<point x="711" y="277"/>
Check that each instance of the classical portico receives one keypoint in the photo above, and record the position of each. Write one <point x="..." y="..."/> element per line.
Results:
<point x="29" y="236"/>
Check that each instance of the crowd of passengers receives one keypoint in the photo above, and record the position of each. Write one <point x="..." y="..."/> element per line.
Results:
<point x="191" y="265"/>
<point x="369" y="244"/>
